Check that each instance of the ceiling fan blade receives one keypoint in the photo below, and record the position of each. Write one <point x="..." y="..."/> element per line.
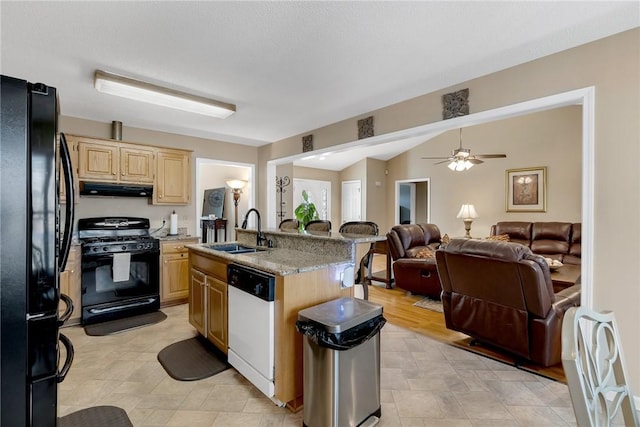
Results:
<point x="475" y="161"/>
<point x="436" y="158"/>
<point x="444" y="161"/>
<point x="490" y="156"/>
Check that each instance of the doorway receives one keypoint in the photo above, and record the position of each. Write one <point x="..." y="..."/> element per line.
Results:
<point x="413" y="201"/>
<point x="212" y="174"/>
<point x="351" y="201"/>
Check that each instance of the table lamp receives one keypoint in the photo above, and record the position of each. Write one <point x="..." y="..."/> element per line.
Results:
<point x="467" y="213"/>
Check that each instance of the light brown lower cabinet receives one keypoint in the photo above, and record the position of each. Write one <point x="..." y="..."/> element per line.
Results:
<point x="174" y="281"/>
<point x="208" y="299"/>
<point x="71" y="284"/>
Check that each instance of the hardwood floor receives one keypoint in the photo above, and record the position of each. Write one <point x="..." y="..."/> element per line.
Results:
<point x="399" y="310"/>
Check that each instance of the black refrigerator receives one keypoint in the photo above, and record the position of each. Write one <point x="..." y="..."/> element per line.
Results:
<point x="34" y="244"/>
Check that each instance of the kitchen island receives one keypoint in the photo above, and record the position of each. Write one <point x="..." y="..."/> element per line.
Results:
<point x="319" y="271"/>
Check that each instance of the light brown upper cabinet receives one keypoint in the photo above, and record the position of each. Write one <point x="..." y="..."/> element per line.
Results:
<point x="73" y="152"/>
<point x="173" y="186"/>
<point x="105" y="160"/>
<point x="98" y="160"/>
<point x="115" y="161"/>
<point x="136" y="163"/>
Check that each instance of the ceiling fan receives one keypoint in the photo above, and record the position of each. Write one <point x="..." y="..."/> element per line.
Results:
<point x="461" y="159"/>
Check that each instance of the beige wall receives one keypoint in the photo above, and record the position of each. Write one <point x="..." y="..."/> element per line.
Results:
<point x="551" y="139"/>
<point x="202" y="148"/>
<point x="376" y="193"/>
<point x="612" y="66"/>
<point x="285" y="170"/>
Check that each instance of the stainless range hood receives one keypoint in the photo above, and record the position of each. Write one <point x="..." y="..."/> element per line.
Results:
<point x="115" y="190"/>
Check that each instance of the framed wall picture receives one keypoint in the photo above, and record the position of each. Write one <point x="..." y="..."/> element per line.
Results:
<point x="526" y="190"/>
<point x="213" y="202"/>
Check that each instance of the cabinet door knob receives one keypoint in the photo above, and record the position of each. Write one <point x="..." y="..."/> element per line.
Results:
<point x="122" y="173"/>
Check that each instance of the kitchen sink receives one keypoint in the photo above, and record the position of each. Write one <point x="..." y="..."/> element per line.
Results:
<point x="233" y="249"/>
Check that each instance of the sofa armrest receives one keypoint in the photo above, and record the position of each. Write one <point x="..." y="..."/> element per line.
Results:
<point x="567" y="298"/>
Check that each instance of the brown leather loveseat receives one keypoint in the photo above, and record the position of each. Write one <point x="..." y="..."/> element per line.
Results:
<point x="556" y="240"/>
<point x="412" y="247"/>
<point x="501" y="294"/>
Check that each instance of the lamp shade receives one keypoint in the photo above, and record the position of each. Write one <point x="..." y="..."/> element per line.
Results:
<point x="467" y="211"/>
<point x="236" y="184"/>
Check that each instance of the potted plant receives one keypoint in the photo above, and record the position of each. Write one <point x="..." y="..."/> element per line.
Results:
<point x="306" y="211"/>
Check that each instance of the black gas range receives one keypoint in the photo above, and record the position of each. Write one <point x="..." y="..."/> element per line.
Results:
<point x="111" y="248"/>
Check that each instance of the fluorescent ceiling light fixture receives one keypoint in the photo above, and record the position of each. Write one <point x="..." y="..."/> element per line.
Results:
<point x="152" y="94"/>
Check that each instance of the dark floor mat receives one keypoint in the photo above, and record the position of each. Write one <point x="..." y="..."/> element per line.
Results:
<point x="192" y="359"/>
<point x="98" y="416"/>
<point x="120" y="325"/>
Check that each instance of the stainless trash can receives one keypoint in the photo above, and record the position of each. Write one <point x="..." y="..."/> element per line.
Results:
<point x="341" y="357"/>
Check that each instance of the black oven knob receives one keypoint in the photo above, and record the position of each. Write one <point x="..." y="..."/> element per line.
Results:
<point x="140" y="246"/>
<point x="104" y="248"/>
<point x="124" y="247"/>
<point x="95" y="249"/>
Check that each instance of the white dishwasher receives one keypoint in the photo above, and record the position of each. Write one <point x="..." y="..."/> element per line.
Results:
<point x="251" y="325"/>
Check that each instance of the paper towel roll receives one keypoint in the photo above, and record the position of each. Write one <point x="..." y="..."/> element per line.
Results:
<point x="173" y="225"/>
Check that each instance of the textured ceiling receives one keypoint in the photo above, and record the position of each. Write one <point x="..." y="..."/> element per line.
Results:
<point x="290" y="67"/>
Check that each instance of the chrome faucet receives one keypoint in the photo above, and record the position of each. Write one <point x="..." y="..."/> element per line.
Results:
<point x="260" y="238"/>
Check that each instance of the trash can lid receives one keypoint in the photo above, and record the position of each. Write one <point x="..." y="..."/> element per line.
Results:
<point x="341" y="314"/>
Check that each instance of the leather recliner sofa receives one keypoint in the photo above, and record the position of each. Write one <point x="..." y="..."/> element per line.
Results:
<point x="501" y="294"/>
<point x="556" y="240"/>
<point x="412" y="247"/>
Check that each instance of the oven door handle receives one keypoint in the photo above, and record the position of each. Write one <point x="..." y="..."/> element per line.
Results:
<point x="68" y="359"/>
<point x="67" y="169"/>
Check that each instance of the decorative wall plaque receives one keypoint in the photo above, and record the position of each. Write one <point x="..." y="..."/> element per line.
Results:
<point x="455" y="104"/>
<point x="365" y="127"/>
<point x="307" y="143"/>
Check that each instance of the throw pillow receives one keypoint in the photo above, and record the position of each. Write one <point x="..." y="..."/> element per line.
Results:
<point x="426" y="253"/>
<point x="500" y="237"/>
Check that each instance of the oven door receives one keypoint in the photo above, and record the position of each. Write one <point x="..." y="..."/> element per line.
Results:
<point x="104" y="298"/>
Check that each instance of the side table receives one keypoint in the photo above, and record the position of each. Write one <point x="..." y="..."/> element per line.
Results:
<point x="213" y="224"/>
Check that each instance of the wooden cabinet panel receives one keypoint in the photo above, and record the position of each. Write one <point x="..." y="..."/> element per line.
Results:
<point x="137" y="164"/>
<point x="175" y="277"/>
<point x="70" y="284"/>
<point x="213" y="271"/>
<point x="97" y="160"/>
<point x="173" y="183"/>
<point x="197" y="301"/>
<point x="174" y="285"/>
<point x="217" y="313"/>
<point x="73" y="152"/>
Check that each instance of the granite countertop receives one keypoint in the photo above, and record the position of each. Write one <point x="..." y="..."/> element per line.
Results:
<point x="321" y="235"/>
<point x="178" y="237"/>
<point x="278" y="261"/>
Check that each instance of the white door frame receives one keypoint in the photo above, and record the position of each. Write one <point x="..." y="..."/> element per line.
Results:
<point x="584" y="96"/>
<point x="396" y="219"/>
<point x="352" y="181"/>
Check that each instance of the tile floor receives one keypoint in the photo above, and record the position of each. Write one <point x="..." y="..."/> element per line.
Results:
<point x="423" y="383"/>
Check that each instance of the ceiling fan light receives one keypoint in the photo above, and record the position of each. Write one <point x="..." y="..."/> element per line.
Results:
<point x="452" y="165"/>
<point x="468" y="165"/>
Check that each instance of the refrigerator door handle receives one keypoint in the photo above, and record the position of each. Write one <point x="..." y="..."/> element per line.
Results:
<point x="68" y="310"/>
<point x="67" y="169"/>
<point x="68" y="360"/>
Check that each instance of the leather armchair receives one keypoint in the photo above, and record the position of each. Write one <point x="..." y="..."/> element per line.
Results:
<point x="501" y="294"/>
<point x="414" y="274"/>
